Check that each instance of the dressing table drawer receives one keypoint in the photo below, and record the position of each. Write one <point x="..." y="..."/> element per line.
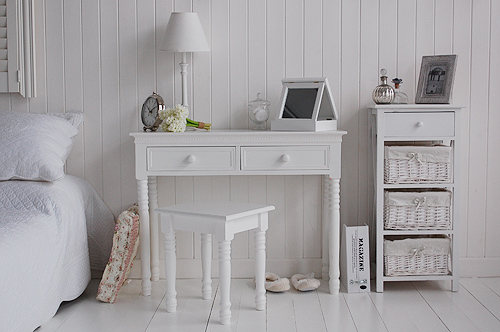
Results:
<point x="284" y="158"/>
<point x="191" y="158"/>
<point x="420" y="124"/>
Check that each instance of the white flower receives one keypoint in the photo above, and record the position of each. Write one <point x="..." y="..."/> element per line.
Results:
<point x="174" y="119"/>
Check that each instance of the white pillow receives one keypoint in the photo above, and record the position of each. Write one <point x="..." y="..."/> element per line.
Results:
<point x="34" y="146"/>
<point x="73" y="117"/>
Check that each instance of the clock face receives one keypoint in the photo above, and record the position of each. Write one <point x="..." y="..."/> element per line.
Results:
<point x="149" y="111"/>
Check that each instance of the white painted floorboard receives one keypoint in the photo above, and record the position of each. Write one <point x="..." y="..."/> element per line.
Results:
<point x="404" y="306"/>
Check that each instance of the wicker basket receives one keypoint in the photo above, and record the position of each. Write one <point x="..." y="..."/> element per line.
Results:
<point x="417" y="164"/>
<point x="417" y="209"/>
<point x="417" y="256"/>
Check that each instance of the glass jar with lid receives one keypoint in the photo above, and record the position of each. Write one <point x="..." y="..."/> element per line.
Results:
<point x="258" y="110"/>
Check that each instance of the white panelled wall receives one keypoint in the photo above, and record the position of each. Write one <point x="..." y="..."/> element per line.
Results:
<point x="101" y="57"/>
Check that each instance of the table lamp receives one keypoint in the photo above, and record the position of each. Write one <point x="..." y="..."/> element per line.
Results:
<point x="184" y="33"/>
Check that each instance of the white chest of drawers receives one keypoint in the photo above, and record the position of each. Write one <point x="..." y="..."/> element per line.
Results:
<point x="414" y="125"/>
<point x="231" y="152"/>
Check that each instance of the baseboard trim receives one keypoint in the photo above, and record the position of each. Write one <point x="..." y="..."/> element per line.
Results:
<point x="240" y="268"/>
<point x="244" y="268"/>
<point x="479" y="267"/>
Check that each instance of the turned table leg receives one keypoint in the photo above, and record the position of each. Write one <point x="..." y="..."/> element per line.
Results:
<point x="325" y="228"/>
<point x="153" y="219"/>
<point x="142" y="193"/>
<point x="334" y="237"/>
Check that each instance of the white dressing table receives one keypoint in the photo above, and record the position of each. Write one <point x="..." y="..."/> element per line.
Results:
<point x="231" y="152"/>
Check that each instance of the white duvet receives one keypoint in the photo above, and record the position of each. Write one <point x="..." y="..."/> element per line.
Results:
<point x="51" y="235"/>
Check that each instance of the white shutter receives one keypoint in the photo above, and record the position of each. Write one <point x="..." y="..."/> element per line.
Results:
<point x="4" y="82"/>
<point x="16" y="47"/>
<point x="4" y="70"/>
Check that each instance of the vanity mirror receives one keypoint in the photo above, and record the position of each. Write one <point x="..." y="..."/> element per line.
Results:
<point x="306" y="105"/>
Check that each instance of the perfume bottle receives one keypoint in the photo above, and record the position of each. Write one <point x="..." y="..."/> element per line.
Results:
<point x="383" y="93"/>
<point x="258" y="110"/>
<point x="399" y="97"/>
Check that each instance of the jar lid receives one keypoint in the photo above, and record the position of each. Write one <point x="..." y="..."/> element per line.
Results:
<point x="259" y="101"/>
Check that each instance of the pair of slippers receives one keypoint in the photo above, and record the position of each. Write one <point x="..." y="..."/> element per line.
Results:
<point x="301" y="282"/>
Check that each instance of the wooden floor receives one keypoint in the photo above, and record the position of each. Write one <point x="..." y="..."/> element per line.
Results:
<point x="404" y="306"/>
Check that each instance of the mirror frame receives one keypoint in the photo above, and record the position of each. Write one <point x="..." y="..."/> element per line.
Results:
<point x="323" y="103"/>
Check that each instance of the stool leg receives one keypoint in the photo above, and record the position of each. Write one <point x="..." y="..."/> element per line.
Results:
<point x="206" y="266"/>
<point x="170" y="271"/>
<point x="225" y="281"/>
<point x="260" y="270"/>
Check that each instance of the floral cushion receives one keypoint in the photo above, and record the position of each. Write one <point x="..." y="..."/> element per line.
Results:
<point x="125" y="244"/>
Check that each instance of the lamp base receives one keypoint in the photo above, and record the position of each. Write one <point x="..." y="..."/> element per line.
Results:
<point x="184" y="67"/>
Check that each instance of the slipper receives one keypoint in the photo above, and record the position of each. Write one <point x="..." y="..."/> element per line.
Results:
<point x="276" y="284"/>
<point x="305" y="283"/>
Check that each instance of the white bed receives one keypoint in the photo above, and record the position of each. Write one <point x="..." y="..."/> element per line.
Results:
<point x="47" y="230"/>
<point x="52" y="233"/>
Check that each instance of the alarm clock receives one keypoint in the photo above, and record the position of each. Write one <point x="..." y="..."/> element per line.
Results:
<point x="150" y="112"/>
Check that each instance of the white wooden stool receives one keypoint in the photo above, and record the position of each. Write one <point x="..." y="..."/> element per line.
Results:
<point x="223" y="220"/>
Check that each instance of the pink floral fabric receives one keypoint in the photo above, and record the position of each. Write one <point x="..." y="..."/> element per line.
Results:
<point x="125" y="245"/>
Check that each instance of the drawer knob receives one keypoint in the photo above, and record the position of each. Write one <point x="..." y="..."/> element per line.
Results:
<point x="420" y="124"/>
<point x="191" y="159"/>
<point x="285" y="158"/>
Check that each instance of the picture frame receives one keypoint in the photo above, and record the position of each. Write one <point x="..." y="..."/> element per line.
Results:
<point x="435" y="82"/>
<point x="306" y="105"/>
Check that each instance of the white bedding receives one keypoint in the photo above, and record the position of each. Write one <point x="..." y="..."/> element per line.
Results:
<point x="51" y="235"/>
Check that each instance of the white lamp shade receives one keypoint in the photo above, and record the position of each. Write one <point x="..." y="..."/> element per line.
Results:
<point x="184" y="33"/>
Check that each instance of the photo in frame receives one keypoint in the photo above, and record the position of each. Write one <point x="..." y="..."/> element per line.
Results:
<point x="435" y="82"/>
